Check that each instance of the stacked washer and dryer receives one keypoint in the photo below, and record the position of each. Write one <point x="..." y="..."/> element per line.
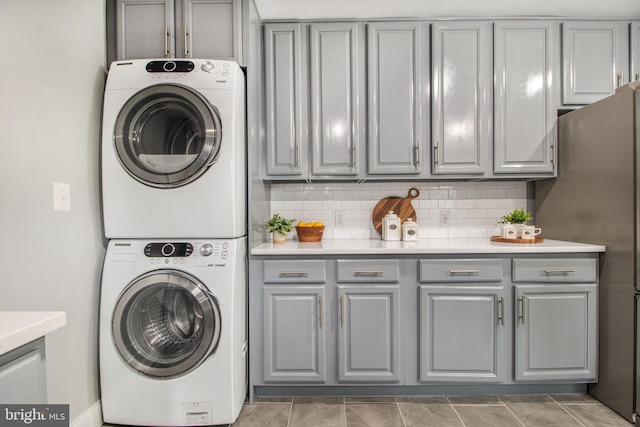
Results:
<point x="173" y="340"/>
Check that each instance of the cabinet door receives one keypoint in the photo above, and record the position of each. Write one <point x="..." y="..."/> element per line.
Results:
<point x="398" y="114"/>
<point x="462" y="97"/>
<point x="337" y="90"/>
<point x="23" y="376"/>
<point x="461" y="334"/>
<point x="595" y="59"/>
<point x="286" y="106"/>
<point x="294" y="334"/>
<point x="555" y="332"/>
<point x="525" y="69"/>
<point x="145" y="29"/>
<point x="635" y="50"/>
<point x="369" y="334"/>
<point x="211" y="29"/>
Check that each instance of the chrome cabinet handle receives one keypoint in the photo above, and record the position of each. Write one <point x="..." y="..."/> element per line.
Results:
<point x="553" y="151"/>
<point x="296" y="154"/>
<point x="637" y="76"/>
<point x="521" y="315"/>
<point x="558" y="271"/>
<point x="501" y="312"/>
<point x="342" y="311"/>
<point x="186" y="43"/>
<point x="294" y="274"/>
<point x="464" y="271"/>
<point x="620" y="78"/>
<point x="435" y="154"/>
<point x="416" y="154"/>
<point x="320" y="309"/>
<point x="166" y="41"/>
<point x="371" y="273"/>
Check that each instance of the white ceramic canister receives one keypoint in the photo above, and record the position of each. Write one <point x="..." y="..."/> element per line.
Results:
<point x="391" y="227"/>
<point x="409" y="230"/>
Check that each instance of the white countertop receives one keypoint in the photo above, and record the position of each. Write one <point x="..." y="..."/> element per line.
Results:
<point x="21" y="327"/>
<point x="423" y="246"/>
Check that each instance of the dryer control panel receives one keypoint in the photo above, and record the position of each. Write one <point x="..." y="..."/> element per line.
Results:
<point x="168" y="249"/>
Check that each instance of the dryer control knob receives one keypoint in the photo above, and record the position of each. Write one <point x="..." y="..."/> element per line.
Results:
<point x="207" y="67"/>
<point x="206" y="249"/>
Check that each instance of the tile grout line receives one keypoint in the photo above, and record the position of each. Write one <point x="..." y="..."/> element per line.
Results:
<point x="404" y="423"/>
<point x="457" y="414"/>
<point x="344" y="406"/>
<point x="567" y="411"/>
<point x="290" y="412"/>
<point x="509" y="409"/>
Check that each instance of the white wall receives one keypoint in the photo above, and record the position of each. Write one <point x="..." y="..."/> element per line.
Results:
<point x="51" y="83"/>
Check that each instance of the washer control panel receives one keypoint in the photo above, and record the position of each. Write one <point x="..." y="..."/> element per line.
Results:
<point x="170" y="66"/>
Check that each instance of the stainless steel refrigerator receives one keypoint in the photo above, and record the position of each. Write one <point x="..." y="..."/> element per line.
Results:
<point x="595" y="199"/>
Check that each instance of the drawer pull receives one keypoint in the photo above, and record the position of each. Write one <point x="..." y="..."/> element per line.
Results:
<point x="342" y="311"/>
<point x="501" y="312"/>
<point x="464" y="271"/>
<point x="558" y="271"/>
<point x="369" y="273"/>
<point x="320" y="310"/>
<point x="294" y="273"/>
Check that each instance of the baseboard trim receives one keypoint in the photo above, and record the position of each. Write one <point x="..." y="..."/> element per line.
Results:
<point x="92" y="417"/>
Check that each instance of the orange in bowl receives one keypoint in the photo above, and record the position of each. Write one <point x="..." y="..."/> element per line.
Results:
<point x="310" y="231"/>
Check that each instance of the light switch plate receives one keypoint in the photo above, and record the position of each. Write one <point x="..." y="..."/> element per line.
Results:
<point x="61" y="196"/>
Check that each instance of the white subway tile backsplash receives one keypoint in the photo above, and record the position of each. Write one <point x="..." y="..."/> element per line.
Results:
<point x="474" y="207"/>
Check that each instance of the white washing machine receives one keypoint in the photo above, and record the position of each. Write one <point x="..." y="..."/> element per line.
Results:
<point x="173" y="149"/>
<point x="173" y="340"/>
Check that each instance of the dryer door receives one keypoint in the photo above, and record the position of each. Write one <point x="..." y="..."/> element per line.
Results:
<point x="167" y="135"/>
<point x="166" y="323"/>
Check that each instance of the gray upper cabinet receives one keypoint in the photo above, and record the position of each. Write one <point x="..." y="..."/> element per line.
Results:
<point x="286" y="95"/>
<point x="398" y="103"/>
<point x="337" y="99"/>
<point x="556" y="332"/>
<point x="462" y="97"/>
<point x="595" y="57"/>
<point x="526" y="70"/>
<point x="462" y="334"/>
<point x="635" y="50"/>
<point x="145" y="29"/>
<point x="205" y="29"/>
<point x="294" y="337"/>
<point x="369" y="334"/>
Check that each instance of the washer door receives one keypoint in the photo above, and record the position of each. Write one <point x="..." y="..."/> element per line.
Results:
<point x="166" y="323"/>
<point x="167" y="135"/>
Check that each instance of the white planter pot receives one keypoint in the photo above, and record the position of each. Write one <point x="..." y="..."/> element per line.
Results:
<point x="279" y="238"/>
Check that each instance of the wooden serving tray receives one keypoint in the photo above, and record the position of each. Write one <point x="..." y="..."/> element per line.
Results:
<point x="501" y="240"/>
<point x="401" y="206"/>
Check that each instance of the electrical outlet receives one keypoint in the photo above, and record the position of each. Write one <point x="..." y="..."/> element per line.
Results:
<point x="445" y="215"/>
<point x="61" y="197"/>
<point x="339" y="218"/>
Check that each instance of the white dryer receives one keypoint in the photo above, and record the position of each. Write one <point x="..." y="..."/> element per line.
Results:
<point x="173" y="340"/>
<point x="173" y="149"/>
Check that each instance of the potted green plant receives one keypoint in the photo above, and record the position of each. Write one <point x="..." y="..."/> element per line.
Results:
<point x="517" y="219"/>
<point x="279" y="226"/>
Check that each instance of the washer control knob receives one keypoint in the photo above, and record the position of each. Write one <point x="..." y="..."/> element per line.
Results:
<point x="206" y="249"/>
<point x="207" y="67"/>
<point x="168" y="249"/>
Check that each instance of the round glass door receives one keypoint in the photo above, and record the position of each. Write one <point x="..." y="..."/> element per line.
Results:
<point x="166" y="323"/>
<point x="167" y="135"/>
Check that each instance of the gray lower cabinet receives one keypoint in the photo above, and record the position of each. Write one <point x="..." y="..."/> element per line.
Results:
<point x="462" y="334"/>
<point x="294" y="334"/>
<point x="207" y="29"/>
<point x="526" y="69"/>
<point x="595" y="57"/>
<point x="23" y="378"/>
<point x="369" y="334"/>
<point x="398" y="103"/>
<point x="462" y="97"/>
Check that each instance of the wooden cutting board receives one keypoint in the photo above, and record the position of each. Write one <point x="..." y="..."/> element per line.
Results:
<point x="400" y="206"/>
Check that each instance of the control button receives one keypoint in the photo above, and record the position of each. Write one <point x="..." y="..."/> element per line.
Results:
<point x="225" y="65"/>
<point x="225" y="73"/>
<point x="207" y="67"/>
<point x="224" y="255"/>
<point x="168" y="249"/>
<point x="225" y="245"/>
<point x="206" y="249"/>
<point x="169" y="66"/>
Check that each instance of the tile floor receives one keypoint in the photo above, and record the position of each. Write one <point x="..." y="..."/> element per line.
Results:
<point x="503" y="411"/>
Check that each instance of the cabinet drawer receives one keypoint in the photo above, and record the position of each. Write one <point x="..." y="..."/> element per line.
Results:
<point x="461" y="270"/>
<point x="562" y="270"/>
<point x="294" y="271"/>
<point x="368" y="271"/>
